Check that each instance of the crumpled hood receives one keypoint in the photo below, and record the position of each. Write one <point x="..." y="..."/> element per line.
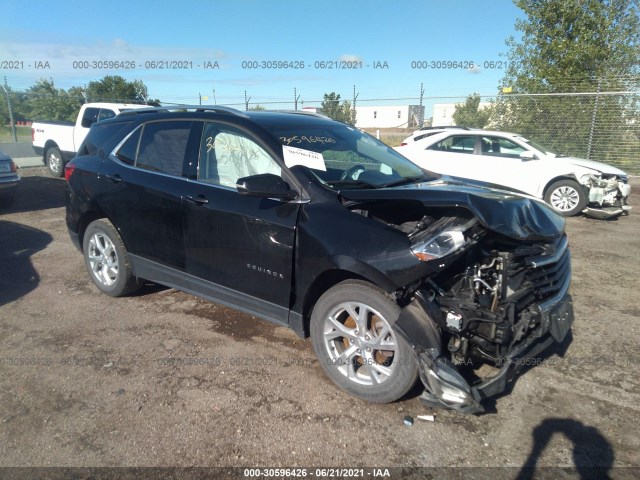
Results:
<point x="591" y="164"/>
<point x="516" y="216"/>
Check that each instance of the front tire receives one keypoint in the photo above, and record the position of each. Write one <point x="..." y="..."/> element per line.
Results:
<point x="54" y="161"/>
<point x="566" y="197"/>
<point x="357" y="348"/>
<point x="107" y="261"/>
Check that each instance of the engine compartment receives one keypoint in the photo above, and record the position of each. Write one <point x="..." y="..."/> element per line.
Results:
<point x="484" y="296"/>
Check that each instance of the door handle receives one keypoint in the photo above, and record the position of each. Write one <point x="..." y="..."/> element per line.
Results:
<point x="198" y="200"/>
<point x="115" y="178"/>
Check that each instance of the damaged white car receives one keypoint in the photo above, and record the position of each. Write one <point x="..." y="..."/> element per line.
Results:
<point x="570" y="185"/>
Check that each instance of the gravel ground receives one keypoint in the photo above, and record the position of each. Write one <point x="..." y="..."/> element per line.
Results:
<point x="163" y="378"/>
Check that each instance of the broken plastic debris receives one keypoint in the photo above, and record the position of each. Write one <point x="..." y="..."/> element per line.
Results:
<point x="408" y="421"/>
<point x="427" y="418"/>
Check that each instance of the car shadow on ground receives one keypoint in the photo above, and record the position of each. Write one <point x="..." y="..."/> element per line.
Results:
<point x="18" y="243"/>
<point x="37" y="193"/>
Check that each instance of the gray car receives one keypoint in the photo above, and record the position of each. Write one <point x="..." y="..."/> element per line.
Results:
<point x="9" y="179"/>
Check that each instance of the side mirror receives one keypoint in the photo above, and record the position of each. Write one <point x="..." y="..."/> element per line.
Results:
<point x="528" y="155"/>
<point x="265" y="185"/>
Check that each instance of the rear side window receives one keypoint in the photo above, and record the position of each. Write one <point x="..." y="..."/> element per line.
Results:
<point x="90" y="116"/>
<point x="106" y="114"/>
<point x="105" y="137"/>
<point x="162" y="147"/>
<point x="129" y="149"/>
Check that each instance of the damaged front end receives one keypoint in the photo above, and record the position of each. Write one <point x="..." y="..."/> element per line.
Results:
<point x="504" y="304"/>
<point x="608" y="195"/>
<point x="490" y="292"/>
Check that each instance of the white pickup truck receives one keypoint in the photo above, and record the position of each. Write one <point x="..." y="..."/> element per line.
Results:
<point x="58" y="142"/>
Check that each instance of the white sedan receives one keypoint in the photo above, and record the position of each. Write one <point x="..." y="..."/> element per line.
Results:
<point x="570" y="185"/>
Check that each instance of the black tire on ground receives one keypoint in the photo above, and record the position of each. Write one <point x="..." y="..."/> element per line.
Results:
<point x="107" y="260"/>
<point x="54" y="161"/>
<point x="566" y="197"/>
<point x="362" y="355"/>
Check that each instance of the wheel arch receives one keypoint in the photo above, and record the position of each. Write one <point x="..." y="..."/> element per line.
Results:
<point x="557" y="179"/>
<point x="90" y="216"/>
<point x="330" y="278"/>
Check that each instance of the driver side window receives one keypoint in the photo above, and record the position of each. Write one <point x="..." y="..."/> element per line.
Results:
<point x="227" y="154"/>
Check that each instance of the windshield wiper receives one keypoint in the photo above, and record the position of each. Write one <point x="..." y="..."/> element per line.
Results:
<point x="402" y="181"/>
<point x="355" y="183"/>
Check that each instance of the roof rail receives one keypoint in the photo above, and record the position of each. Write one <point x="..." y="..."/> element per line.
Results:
<point x="446" y="127"/>
<point x="300" y="112"/>
<point x="195" y="108"/>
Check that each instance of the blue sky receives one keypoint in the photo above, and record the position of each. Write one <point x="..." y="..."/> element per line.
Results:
<point x="231" y="32"/>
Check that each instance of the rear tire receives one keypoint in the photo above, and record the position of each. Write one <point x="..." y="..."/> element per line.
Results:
<point x="566" y="197"/>
<point x="358" y="350"/>
<point x="107" y="260"/>
<point x="55" y="162"/>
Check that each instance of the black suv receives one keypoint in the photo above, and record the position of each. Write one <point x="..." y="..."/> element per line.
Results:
<point x="395" y="273"/>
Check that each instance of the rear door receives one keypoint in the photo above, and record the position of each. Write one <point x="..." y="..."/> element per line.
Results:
<point x="142" y="187"/>
<point x="453" y="155"/>
<point x="243" y="246"/>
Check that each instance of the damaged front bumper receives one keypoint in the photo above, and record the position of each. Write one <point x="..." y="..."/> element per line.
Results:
<point x="445" y="386"/>
<point x="449" y="389"/>
<point x="608" y="197"/>
<point x="607" y="212"/>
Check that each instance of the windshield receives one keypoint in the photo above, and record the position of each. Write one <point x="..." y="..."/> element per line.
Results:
<point x="539" y="147"/>
<point x="341" y="156"/>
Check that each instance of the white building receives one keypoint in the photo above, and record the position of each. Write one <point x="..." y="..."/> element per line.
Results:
<point x="443" y="113"/>
<point x="394" y="116"/>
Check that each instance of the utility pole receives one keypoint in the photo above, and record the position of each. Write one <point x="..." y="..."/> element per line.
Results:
<point x="353" y="111"/>
<point x="214" y="97"/>
<point x="13" y="125"/>
<point x="296" y="97"/>
<point x="246" y="101"/>
<point x="200" y="98"/>
<point x="421" y="108"/>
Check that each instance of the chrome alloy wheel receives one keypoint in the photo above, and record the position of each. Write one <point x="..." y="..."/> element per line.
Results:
<point x="55" y="162"/>
<point x="564" y="198"/>
<point x="103" y="259"/>
<point x="360" y="343"/>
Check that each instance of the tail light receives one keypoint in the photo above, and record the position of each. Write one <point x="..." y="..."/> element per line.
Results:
<point x="68" y="171"/>
<point x="14" y="167"/>
<point x="403" y="144"/>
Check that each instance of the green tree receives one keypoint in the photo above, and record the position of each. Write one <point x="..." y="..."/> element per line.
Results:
<point x="46" y="102"/>
<point x="342" y="112"/>
<point x="114" y="88"/>
<point x="575" y="47"/>
<point x="469" y="113"/>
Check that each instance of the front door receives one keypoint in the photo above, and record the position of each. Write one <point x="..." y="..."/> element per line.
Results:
<point x="242" y="245"/>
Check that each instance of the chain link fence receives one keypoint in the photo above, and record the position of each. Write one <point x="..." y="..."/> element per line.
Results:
<point x="601" y="125"/>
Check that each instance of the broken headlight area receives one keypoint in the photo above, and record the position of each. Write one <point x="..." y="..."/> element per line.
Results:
<point x="441" y="238"/>
<point x="608" y="195"/>
<point x="496" y="304"/>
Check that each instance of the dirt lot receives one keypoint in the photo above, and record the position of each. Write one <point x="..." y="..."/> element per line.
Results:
<point x="165" y="379"/>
